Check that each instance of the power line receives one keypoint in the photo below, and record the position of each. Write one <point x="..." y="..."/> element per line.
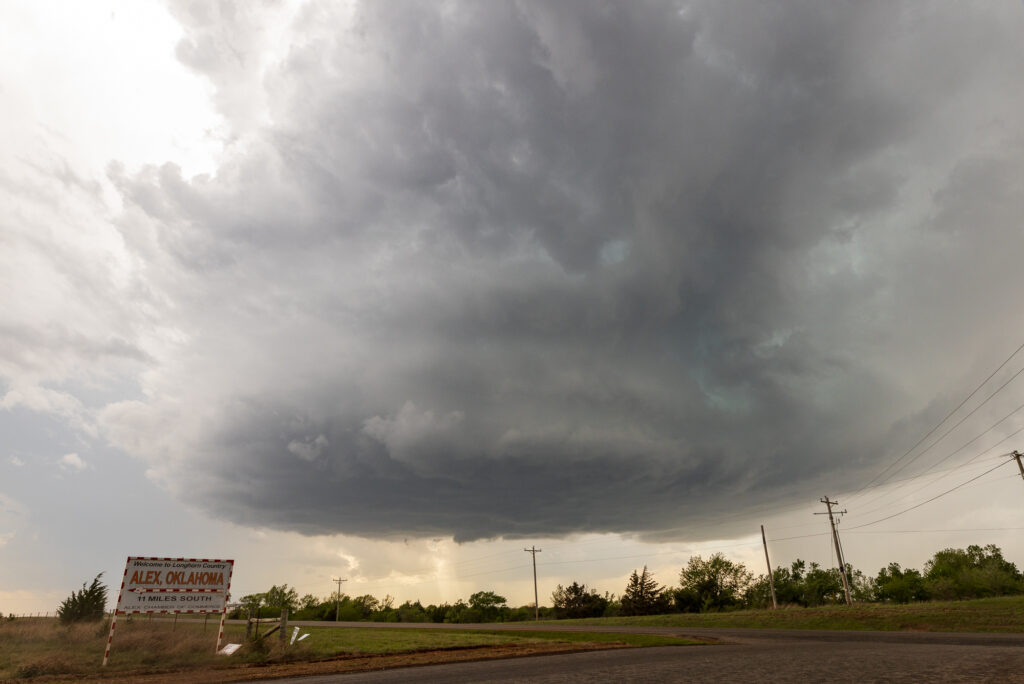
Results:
<point x="956" y="451"/>
<point x="883" y="507"/>
<point x="960" y="422"/>
<point x="937" y="496"/>
<point x="947" y="417"/>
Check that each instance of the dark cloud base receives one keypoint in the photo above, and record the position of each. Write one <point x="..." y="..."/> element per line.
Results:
<point x="520" y="269"/>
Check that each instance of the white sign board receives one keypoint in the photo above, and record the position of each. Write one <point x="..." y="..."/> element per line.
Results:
<point x="175" y="585"/>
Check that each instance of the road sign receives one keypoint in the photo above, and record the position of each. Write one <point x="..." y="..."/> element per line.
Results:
<point x="173" y="585"/>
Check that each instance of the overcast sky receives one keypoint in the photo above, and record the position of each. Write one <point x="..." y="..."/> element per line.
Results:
<point x="390" y="290"/>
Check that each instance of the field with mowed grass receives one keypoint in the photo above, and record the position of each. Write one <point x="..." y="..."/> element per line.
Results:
<point x="1002" y="614"/>
<point x="41" y="647"/>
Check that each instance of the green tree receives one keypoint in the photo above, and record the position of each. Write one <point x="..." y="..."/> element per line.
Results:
<point x="438" y="613"/>
<point x="576" y="601"/>
<point x="822" y="586"/>
<point x="281" y="597"/>
<point x="412" y="612"/>
<point x="366" y="605"/>
<point x="643" y="595"/>
<point x="788" y="587"/>
<point x="713" y="584"/>
<point x="308" y="602"/>
<point x="487" y="605"/>
<point x="899" y="586"/>
<point x="87" y="604"/>
<point x="974" y="572"/>
<point x="253" y="602"/>
<point x="459" y="612"/>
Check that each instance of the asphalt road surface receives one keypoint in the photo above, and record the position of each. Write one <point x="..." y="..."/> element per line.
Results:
<point x="749" y="655"/>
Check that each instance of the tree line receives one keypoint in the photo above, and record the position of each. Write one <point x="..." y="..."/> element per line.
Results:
<point x="712" y="584"/>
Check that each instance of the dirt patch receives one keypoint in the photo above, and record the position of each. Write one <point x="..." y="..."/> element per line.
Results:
<point x="353" y="663"/>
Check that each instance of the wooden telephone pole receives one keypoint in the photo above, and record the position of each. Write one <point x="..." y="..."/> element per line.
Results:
<point x="337" y="601"/>
<point x="839" y="550"/>
<point x="1017" y="455"/>
<point x="771" y="577"/>
<point x="536" y="604"/>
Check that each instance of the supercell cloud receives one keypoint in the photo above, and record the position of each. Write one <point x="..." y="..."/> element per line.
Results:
<point x="516" y="268"/>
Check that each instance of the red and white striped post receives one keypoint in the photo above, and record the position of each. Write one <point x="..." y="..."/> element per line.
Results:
<point x="110" y="638"/>
<point x="113" y="618"/>
<point x="220" y="633"/>
<point x="224" y="613"/>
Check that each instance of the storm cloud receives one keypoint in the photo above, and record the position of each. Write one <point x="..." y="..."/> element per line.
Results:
<point x="507" y="269"/>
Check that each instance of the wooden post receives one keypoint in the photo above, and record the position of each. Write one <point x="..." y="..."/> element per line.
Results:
<point x="284" y="626"/>
<point x="1017" y="455"/>
<point x="771" y="577"/>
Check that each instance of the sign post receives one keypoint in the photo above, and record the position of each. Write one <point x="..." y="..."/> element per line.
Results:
<point x="172" y="586"/>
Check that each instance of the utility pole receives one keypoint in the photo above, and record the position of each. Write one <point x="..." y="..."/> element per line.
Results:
<point x="1017" y="455"/>
<point x="839" y="551"/>
<point x="337" y="601"/>
<point x="536" y="603"/>
<point x="771" y="577"/>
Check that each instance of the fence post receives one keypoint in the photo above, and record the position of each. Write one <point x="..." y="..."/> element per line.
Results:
<point x="284" y="626"/>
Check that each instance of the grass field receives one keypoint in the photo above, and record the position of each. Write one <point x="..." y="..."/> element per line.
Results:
<point x="1003" y="614"/>
<point x="41" y="647"/>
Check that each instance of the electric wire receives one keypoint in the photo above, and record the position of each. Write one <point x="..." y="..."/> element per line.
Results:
<point x="956" y="451"/>
<point x="927" y="501"/>
<point x="947" y="417"/>
<point x="861" y="514"/>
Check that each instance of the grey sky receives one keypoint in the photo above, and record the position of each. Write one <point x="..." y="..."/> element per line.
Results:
<point x="526" y="269"/>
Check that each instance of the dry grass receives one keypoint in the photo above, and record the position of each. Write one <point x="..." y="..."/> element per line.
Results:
<point x="34" y="647"/>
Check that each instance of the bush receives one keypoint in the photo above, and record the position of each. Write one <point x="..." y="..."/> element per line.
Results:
<point x="87" y="604"/>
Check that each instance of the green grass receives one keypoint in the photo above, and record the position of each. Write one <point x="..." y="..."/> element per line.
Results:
<point x="1003" y="614"/>
<point x="36" y="647"/>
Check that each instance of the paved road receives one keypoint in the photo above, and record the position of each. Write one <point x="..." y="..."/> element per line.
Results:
<point x="753" y="655"/>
